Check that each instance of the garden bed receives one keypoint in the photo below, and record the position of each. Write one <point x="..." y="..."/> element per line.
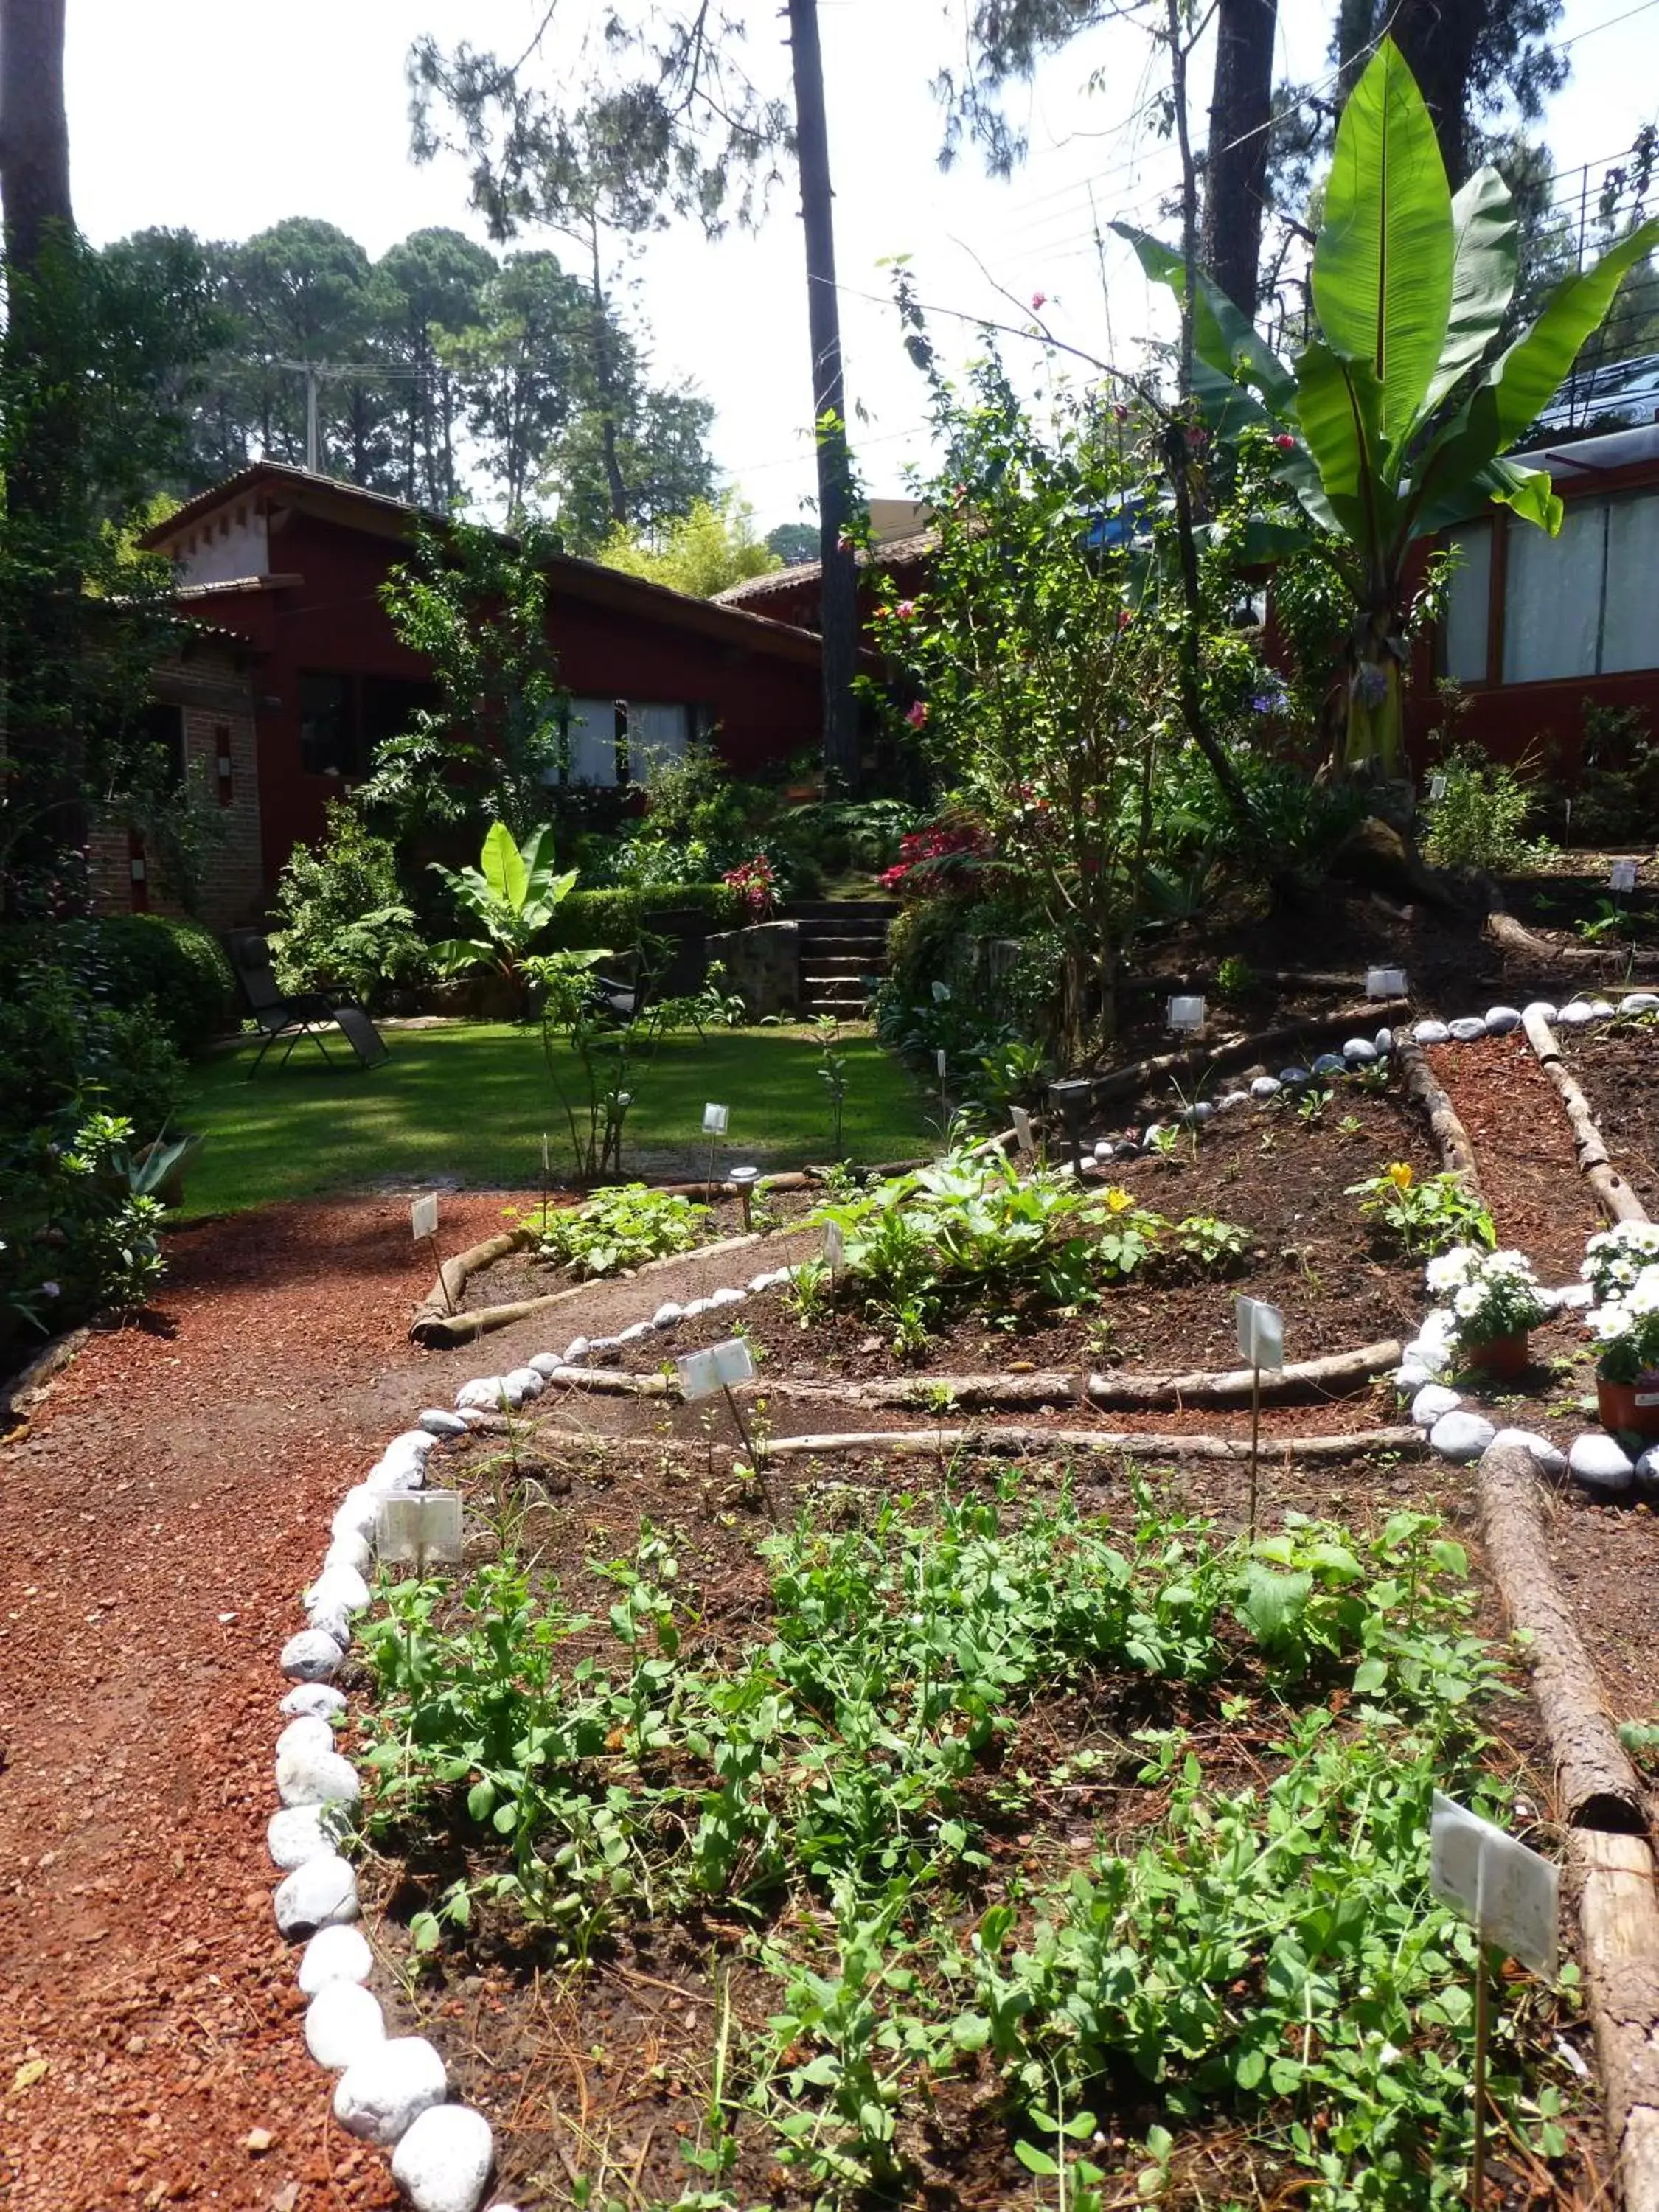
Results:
<point x="1618" y="1065"/>
<point x="710" y="2015"/>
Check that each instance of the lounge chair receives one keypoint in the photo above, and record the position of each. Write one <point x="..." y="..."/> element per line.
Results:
<point x="304" y="1014"/>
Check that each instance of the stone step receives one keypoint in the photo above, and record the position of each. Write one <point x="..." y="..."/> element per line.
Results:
<point x="839" y="963"/>
<point x="859" y="912"/>
<point x="847" y="989"/>
<point x="811" y="943"/>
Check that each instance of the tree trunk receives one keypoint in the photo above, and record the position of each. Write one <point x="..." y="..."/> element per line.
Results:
<point x="1437" y="39"/>
<point x="838" y="569"/>
<point x="1241" y="106"/>
<point x="42" y="492"/>
<point x="605" y="378"/>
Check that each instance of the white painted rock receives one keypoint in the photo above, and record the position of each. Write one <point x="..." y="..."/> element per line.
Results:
<point x="1384" y="1041"/>
<point x="1293" y="1078"/>
<point x="1359" y="1052"/>
<point x="1428" y="1353"/>
<point x="1329" y="1063"/>
<point x="634" y="1332"/>
<point x="727" y="1295"/>
<point x="389" y="2088"/>
<point x="438" y="1421"/>
<point x="1461" y="1435"/>
<point x="1231" y="1101"/>
<point x="335" y="1954"/>
<point x="1203" y="1111"/>
<point x="546" y="1365"/>
<point x="526" y="1381"/>
<point x="310" y="1656"/>
<point x="354" y="1552"/>
<point x="388" y="1477"/>
<point x="1438" y="1326"/>
<point x="409" y="1443"/>
<point x="1601" y="1465"/>
<point x="318" y="1894"/>
<point x="1410" y="1377"/>
<point x="309" y="1777"/>
<point x="321" y="1700"/>
<point x="1602" y="1009"/>
<point x="608" y="1343"/>
<point x="1500" y="1020"/>
<point x="1466" y="1029"/>
<point x="576" y="1350"/>
<point x="667" y="1314"/>
<point x="1431" y="1401"/>
<point x="1647" y="1471"/>
<point x="341" y="1588"/>
<point x="760" y="1284"/>
<point x="1431" y="1033"/>
<point x="343" y="2024"/>
<point x="309" y="1732"/>
<point x="355" y="1513"/>
<point x="443" y="2163"/>
<point x="1578" y="1016"/>
<point x="330" y="1621"/>
<point x="1264" y="1086"/>
<point x="1545" y="1456"/>
<point x="296" y="1834"/>
<point x="1638" y="1002"/>
<point x="1541" y="1007"/>
<point x="483" y="1394"/>
<point x="695" y="1307"/>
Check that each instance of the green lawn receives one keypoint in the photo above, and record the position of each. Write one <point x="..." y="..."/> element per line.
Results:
<point x="468" y="1104"/>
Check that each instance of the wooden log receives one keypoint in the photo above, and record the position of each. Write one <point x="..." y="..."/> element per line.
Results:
<point x="1367" y="1013"/>
<point x="1130" y="1443"/>
<point x="1456" y="1152"/>
<point x="1613" y="1194"/>
<point x="441" y="1329"/>
<point x="1596" y="1782"/>
<point x="1514" y="939"/>
<point x="1618" y="1918"/>
<point x="452" y="1276"/>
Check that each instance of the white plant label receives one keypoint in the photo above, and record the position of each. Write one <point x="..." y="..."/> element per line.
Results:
<point x="1022" y="1121"/>
<point x="423" y="1216"/>
<point x="714" y="1119"/>
<point x="547" y="1163"/>
<point x="940" y="1061"/>
<point x="834" y="1250"/>
<point x="702" y="1373"/>
<point x="421" y="1527"/>
<point x="1507" y="1892"/>
<point x="1186" y="1013"/>
<point x="1437" y="789"/>
<point x="1621" y="877"/>
<point x="1385" y="983"/>
<point x="1261" y="1333"/>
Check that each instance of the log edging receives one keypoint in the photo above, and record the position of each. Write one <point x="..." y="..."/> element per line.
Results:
<point x="1456" y="1152"/>
<point x="1613" y="1194"/>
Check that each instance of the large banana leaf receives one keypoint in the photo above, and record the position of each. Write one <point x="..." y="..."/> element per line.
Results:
<point x="1383" y="263"/>
<point x="1485" y="261"/>
<point x="1339" y="406"/>
<point x="1528" y="492"/>
<point x="1224" y="338"/>
<point x="503" y="866"/>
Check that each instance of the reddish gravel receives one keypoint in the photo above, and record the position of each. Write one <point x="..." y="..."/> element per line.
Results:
<point x="1523" y="1147"/>
<point x="160" y="1514"/>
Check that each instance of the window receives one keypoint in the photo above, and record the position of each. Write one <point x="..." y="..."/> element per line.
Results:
<point x="592" y="728"/>
<point x="1468" y="606"/>
<point x="388" y="706"/>
<point x="164" y="729"/>
<point x="656" y="736"/>
<point x="1552" y="597"/>
<point x="1630" y="613"/>
<point x="328" y="733"/>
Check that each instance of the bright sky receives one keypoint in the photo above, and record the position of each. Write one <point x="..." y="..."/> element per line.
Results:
<point x="213" y="114"/>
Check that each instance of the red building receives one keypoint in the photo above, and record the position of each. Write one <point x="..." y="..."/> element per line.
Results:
<point x="294" y="564"/>
<point x="1537" y="629"/>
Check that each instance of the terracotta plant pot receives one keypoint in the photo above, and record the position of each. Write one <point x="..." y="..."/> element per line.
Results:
<point x="1633" y="1407"/>
<point x="1505" y="1356"/>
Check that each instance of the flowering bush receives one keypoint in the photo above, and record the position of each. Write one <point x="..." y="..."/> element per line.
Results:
<point x="1627" y="1330"/>
<point x="1614" y="1258"/>
<point x="755" y="883"/>
<point x="947" y="858"/>
<point x="1492" y="1294"/>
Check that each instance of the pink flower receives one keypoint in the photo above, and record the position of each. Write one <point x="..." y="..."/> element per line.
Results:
<point x="1286" y="443"/>
<point x="906" y="610"/>
<point x="844" y="543"/>
<point x="1122" y="412"/>
<point x="1195" y="436"/>
<point x="917" y="717"/>
<point x="1125" y="617"/>
<point x="1039" y="300"/>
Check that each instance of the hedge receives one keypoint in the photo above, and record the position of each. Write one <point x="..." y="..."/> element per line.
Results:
<point x="178" y="965"/>
<point x="613" y="920"/>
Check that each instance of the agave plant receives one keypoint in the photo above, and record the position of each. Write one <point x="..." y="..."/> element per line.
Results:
<point x="1394" y="422"/>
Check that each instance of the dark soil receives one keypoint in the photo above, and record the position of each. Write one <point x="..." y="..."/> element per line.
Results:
<point x="1617" y="1067"/>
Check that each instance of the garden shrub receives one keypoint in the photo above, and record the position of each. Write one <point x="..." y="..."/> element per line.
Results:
<point x="175" y="972"/>
<point x="65" y="1044"/>
<point x="1480" y="820"/>
<point x="614" y="918"/>
<point x="342" y="916"/>
<point x="946" y="990"/>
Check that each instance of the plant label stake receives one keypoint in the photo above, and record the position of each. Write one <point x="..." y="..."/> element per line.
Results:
<point x="1508" y="1895"/>
<point x="414" y="1526"/>
<point x="1186" y="1015"/>
<point x="423" y="1227"/>
<point x="1261" y="1342"/>
<point x="547" y="1179"/>
<point x="717" y="1368"/>
<point x="943" y="1066"/>
<point x="714" y="1119"/>
<point x="1621" y="877"/>
<point x="835" y="1251"/>
<point x="1385" y="983"/>
<point x="1022" y="1121"/>
<point x="1437" y="789"/>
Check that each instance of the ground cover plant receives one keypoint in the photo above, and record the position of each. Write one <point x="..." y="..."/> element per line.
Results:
<point x="464" y="1104"/>
<point x="1027" y="1851"/>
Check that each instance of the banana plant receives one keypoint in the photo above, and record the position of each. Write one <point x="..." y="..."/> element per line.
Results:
<point x="510" y="897"/>
<point x="1393" y="424"/>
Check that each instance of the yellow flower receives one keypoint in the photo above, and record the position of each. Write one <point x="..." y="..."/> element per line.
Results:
<point x="1401" y="1174"/>
<point x="1117" y="1201"/>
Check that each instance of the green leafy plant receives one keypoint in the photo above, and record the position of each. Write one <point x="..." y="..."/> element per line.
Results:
<point x="1478" y="821"/>
<point x="620" y="1228"/>
<point x="1235" y="978"/>
<point x="1397" y="415"/>
<point x="1423" y="1215"/>
<point x="832" y="1074"/>
<point x="342" y="922"/>
<point x="1213" y="1246"/>
<point x="512" y="896"/>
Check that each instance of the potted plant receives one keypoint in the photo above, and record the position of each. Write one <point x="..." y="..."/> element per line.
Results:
<point x="1614" y="1258"/>
<point x="1495" y="1303"/>
<point x="1626" y="1333"/>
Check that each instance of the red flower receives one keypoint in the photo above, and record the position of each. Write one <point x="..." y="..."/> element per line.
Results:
<point x="917" y="717"/>
<point x="844" y="543"/>
<point x="906" y="610"/>
<point x="1125" y="617"/>
<point x="1286" y="443"/>
<point x="1039" y="300"/>
<point x="754" y="882"/>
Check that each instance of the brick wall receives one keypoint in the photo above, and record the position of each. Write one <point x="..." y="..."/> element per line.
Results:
<point x="208" y="684"/>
